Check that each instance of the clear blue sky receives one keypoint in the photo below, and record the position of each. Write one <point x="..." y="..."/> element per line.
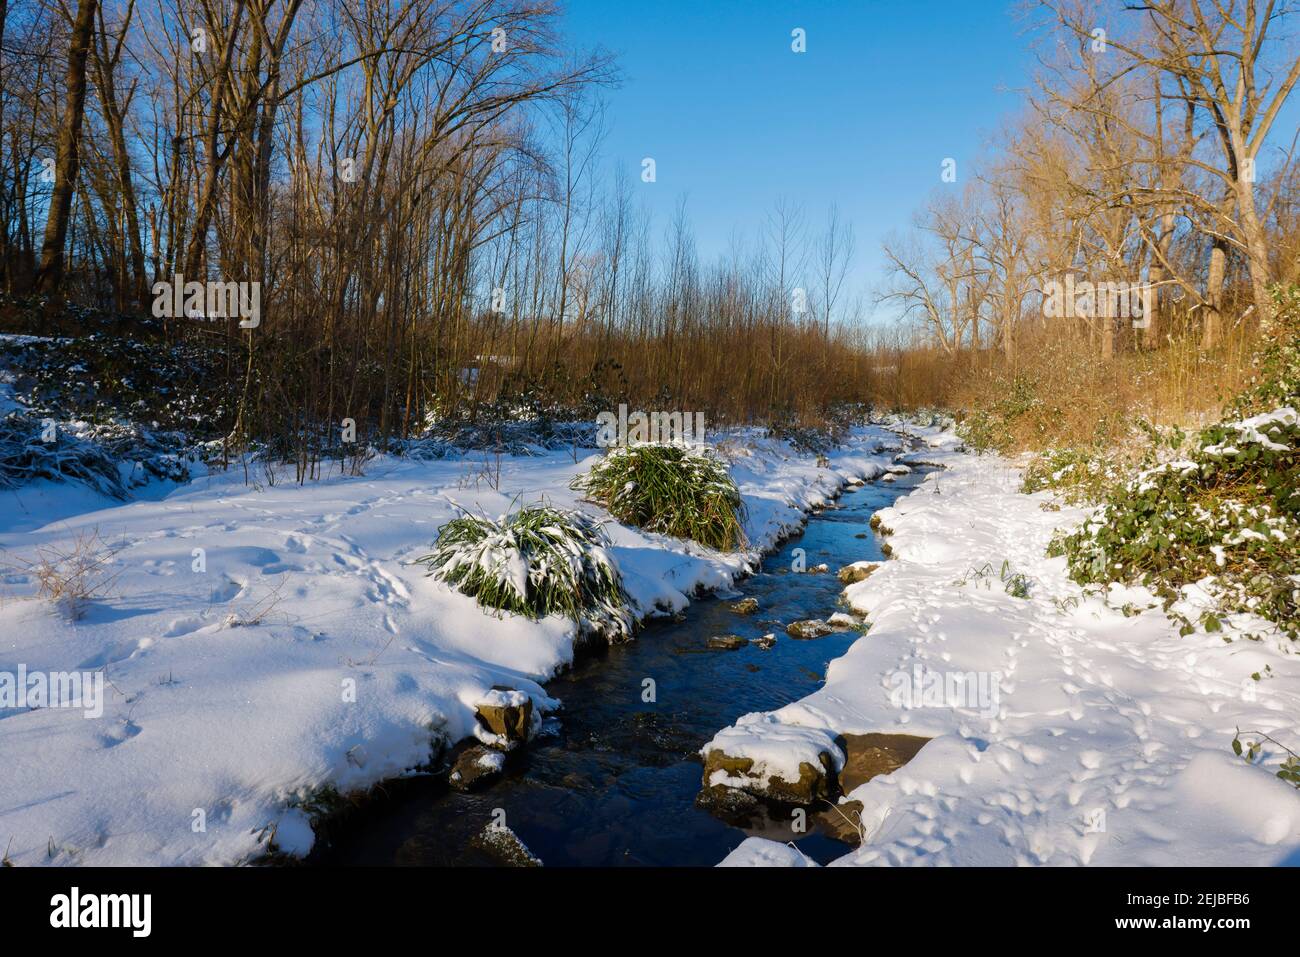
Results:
<point x="734" y="119"/>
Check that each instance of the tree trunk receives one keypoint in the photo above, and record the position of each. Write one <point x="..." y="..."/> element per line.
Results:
<point x="105" y="65"/>
<point x="50" y="275"/>
<point x="6" y="274"/>
<point x="1151" y="322"/>
<point x="1257" y="246"/>
<point x="1214" y="294"/>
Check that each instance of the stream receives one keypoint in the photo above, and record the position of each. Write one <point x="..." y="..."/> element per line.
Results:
<point x="613" y="779"/>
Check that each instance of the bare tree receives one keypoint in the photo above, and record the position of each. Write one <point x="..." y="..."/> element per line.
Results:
<point x="67" y="162"/>
<point x="834" y="256"/>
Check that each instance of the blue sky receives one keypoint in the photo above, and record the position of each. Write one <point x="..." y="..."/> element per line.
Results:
<point x="734" y="119"/>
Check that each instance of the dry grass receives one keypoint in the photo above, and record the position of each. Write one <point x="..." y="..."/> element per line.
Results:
<point x="260" y="610"/>
<point x="72" y="576"/>
<point x="1060" y="392"/>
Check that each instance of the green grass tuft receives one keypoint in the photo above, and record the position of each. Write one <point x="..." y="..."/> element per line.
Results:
<point x="535" y="562"/>
<point x="671" y="490"/>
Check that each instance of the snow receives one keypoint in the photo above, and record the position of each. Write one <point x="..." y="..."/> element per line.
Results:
<point x="500" y="698"/>
<point x="1253" y="431"/>
<point x="777" y="748"/>
<point x="293" y="834"/>
<point x="757" y="852"/>
<point x="491" y="761"/>
<point x="262" y="647"/>
<point x="1110" y="742"/>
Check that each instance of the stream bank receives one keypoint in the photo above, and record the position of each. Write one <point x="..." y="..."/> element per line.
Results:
<point x="612" y="777"/>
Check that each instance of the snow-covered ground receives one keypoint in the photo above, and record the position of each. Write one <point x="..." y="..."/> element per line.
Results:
<point x="1086" y="730"/>
<point x="261" y="644"/>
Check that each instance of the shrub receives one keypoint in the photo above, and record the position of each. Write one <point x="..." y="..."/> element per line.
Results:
<point x="537" y="561"/>
<point x="816" y="435"/>
<point x="1229" y="512"/>
<point x="1086" y="475"/>
<point x="1250" y="753"/>
<point x="1275" y="380"/>
<point x="668" y="489"/>
<point x="991" y="427"/>
<point x="1080" y="475"/>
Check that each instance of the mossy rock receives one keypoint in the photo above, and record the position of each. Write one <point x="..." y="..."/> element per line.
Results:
<point x="746" y="606"/>
<point x="868" y="755"/>
<point x="858" y="571"/>
<point x="727" y="642"/>
<point x="507" y="715"/>
<point x="808" y="629"/>
<point x="816" y="783"/>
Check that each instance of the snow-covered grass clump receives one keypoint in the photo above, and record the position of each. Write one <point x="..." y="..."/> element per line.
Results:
<point x="537" y="561"/>
<point x="668" y="489"/>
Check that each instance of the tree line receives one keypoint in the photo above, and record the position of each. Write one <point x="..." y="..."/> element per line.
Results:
<point x="1151" y="150"/>
<point x="419" y="190"/>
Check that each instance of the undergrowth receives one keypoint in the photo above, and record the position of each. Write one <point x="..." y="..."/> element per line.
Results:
<point x="1228" y="512"/>
<point x="1079" y="475"/>
<point x="1087" y="475"/>
<point x="1063" y="393"/>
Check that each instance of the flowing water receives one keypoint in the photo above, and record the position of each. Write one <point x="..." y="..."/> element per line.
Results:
<point x="614" y="780"/>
